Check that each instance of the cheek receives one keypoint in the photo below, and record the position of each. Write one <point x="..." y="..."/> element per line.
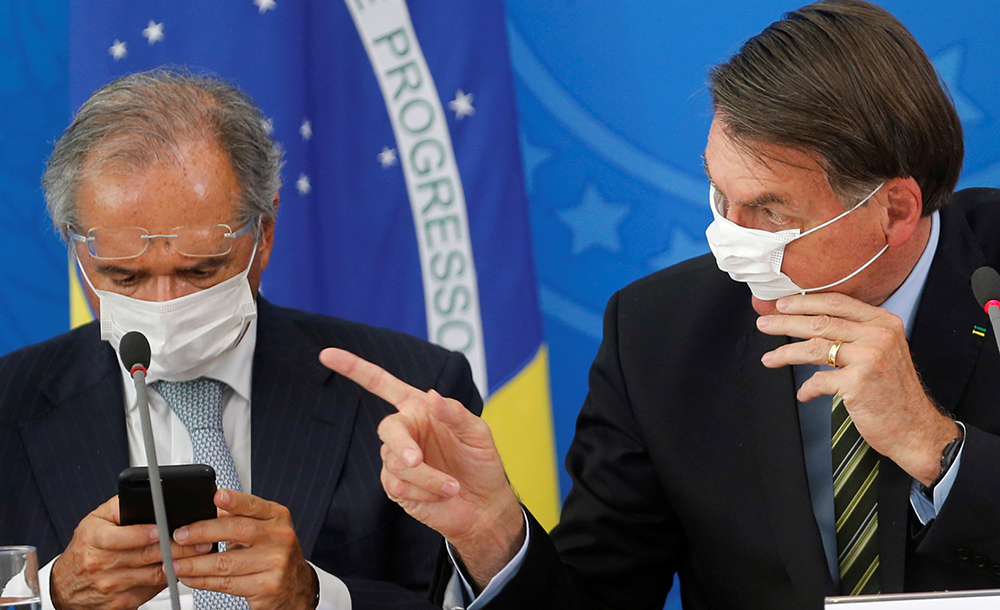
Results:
<point x="814" y="262"/>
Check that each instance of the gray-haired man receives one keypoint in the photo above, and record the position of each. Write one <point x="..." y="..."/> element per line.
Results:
<point x="165" y="188"/>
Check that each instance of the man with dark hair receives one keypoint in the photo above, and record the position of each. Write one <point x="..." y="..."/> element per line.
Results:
<point x="165" y="186"/>
<point x="833" y="432"/>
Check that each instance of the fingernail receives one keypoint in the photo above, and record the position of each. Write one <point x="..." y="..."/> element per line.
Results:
<point x="767" y="358"/>
<point x="410" y="457"/>
<point x="176" y="567"/>
<point x="763" y="322"/>
<point x="224" y="496"/>
<point x="181" y="534"/>
<point x="782" y="303"/>
<point x="204" y="547"/>
<point x="153" y="534"/>
<point x="450" y="487"/>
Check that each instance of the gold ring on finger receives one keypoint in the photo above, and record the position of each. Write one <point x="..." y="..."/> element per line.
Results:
<point x="831" y="358"/>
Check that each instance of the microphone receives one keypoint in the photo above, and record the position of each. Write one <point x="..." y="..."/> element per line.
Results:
<point x="133" y="349"/>
<point x="986" y="287"/>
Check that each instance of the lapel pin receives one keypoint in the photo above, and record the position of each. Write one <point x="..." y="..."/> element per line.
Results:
<point x="979" y="331"/>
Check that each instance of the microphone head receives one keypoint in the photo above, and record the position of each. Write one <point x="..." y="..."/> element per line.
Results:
<point x="986" y="285"/>
<point x="134" y="350"/>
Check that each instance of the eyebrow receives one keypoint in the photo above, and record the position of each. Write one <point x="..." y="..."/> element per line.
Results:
<point x="756" y="202"/>
<point x="200" y="265"/>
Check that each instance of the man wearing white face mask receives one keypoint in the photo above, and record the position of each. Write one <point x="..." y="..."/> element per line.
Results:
<point x="165" y="188"/>
<point x="828" y="423"/>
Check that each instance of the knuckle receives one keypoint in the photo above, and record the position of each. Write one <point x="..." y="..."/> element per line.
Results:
<point x="820" y="323"/>
<point x="817" y="347"/>
<point x="149" y="554"/>
<point x="398" y="486"/>
<point x="386" y="427"/>
<point x="91" y="561"/>
<point x="285" y="538"/>
<point x="393" y="464"/>
<point x="281" y="513"/>
<point x="833" y="299"/>
<point x="240" y="528"/>
<point x="223" y="563"/>
<point x="104" y="585"/>
<point x="226" y="584"/>
<point x="889" y="333"/>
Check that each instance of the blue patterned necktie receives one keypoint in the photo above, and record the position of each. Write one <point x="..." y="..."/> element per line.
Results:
<point x="198" y="404"/>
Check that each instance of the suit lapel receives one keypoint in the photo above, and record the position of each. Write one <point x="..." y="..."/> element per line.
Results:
<point x="774" y="422"/>
<point x="78" y="449"/>
<point x="301" y="421"/>
<point x="945" y="352"/>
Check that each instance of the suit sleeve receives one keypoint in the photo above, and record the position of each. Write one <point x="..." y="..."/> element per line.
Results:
<point x="965" y="530"/>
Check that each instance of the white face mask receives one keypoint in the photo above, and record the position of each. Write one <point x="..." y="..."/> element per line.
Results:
<point x="184" y="333"/>
<point x="754" y="256"/>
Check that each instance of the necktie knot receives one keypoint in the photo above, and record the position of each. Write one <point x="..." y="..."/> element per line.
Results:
<point x="198" y="403"/>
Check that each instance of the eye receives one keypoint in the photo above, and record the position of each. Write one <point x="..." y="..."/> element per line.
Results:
<point x="774" y="217"/>
<point x="124" y="280"/>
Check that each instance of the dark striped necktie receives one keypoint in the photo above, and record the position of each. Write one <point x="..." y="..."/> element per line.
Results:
<point x="855" y="500"/>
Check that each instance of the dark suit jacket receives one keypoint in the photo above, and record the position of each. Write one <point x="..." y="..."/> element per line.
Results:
<point x="688" y="457"/>
<point x="314" y="444"/>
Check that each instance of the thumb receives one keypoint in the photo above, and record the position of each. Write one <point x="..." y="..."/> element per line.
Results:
<point x="462" y="422"/>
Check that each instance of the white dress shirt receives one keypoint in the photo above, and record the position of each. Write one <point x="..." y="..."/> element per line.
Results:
<point x="173" y="446"/>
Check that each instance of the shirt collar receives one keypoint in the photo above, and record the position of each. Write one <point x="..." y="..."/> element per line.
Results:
<point x="903" y="302"/>
<point x="234" y="368"/>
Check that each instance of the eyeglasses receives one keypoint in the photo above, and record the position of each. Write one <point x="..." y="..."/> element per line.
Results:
<point x="117" y="243"/>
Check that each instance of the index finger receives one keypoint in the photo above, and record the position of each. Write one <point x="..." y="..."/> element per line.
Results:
<point x="829" y="303"/>
<point x="371" y="377"/>
<point x="106" y="533"/>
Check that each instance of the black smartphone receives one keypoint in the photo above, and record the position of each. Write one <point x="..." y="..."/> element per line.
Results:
<point x="188" y="492"/>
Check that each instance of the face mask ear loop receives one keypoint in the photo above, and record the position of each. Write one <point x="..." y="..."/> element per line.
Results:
<point x="859" y="270"/>
<point x="836" y="218"/>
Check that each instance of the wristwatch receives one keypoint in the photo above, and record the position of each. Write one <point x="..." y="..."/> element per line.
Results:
<point x="947" y="459"/>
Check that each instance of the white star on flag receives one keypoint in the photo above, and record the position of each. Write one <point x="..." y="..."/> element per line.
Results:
<point x="302" y="184"/>
<point x="462" y="105"/>
<point x="387" y="157"/>
<point x="153" y="32"/>
<point x="306" y="130"/>
<point x="264" y="5"/>
<point x="118" y="50"/>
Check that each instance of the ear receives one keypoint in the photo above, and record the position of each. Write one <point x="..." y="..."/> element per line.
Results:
<point x="904" y="206"/>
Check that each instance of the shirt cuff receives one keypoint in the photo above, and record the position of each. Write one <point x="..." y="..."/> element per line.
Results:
<point x="44" y="577"/>
<point x="333" y="593"/>
<point x="458" y="593"/>
<point x="926" y="509"/>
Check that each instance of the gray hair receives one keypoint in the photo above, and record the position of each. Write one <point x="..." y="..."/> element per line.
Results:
<point x="143" y="118"/>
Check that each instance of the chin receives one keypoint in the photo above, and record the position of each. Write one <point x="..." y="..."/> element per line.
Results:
<point x="764" y="308"/>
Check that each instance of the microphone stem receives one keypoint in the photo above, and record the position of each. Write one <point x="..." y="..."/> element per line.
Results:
<point x="155" y="488"/>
